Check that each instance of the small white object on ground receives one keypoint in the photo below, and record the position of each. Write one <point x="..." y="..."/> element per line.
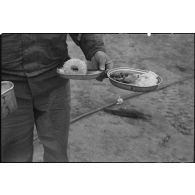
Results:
<point x="119" y="100"/>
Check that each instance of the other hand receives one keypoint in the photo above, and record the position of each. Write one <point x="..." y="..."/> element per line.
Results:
<point x="102" y="61"/>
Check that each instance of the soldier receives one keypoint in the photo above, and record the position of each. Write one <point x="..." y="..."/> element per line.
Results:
<point x="30" y="62"/>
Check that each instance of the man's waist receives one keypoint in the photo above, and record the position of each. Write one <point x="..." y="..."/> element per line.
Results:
<point x="31" y="70"/>
<point x="22" y="75"/>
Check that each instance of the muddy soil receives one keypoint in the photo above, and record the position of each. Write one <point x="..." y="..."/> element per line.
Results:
<point x="167" y="136"/>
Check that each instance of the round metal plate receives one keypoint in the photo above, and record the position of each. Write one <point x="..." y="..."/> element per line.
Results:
<point x="132" y="87"/>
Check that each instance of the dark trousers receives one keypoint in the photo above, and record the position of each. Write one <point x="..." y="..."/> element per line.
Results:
<point x="50" y="112"/>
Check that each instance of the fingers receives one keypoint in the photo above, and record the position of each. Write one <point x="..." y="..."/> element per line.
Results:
<point x="102" y="60"/>
<point x="109" y="64"/>
<point x="105" y="64"/>
<point x="102" y="64"/>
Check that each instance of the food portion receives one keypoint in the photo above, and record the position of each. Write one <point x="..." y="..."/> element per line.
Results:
<point x="74" y="67"/>
<point x="138" y="79"/>
<point x="147" y="80"/>
<point x="124" y="77"/>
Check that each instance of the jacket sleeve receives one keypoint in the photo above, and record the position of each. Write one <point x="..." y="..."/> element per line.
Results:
<point x="89" y="43"/>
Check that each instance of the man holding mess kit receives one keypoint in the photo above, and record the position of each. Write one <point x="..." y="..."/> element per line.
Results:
<point x="30" y="61"/>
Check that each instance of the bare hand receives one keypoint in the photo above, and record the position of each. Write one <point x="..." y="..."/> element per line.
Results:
<point x="102" y="61"/>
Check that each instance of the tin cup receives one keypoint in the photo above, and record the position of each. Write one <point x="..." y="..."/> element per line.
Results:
<point x="8" y="99"/>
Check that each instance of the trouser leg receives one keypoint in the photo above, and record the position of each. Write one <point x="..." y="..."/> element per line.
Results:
<point x="17" y="133"/>
<point x="52" y="118"/>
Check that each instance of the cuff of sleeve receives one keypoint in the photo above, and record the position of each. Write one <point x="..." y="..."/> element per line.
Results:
<point x="90" y="44"/>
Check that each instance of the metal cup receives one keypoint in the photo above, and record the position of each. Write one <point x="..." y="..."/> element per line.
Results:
<point x="8" y="99"/>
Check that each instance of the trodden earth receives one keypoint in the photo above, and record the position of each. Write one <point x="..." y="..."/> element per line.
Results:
<point x="168" y="136"/>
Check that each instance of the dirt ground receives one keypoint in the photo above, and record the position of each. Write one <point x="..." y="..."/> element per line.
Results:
<point x="168" y="136"/>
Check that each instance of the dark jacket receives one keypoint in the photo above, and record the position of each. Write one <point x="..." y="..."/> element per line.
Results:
<point x="34" y="54"/>
<point x="33" y="59"/>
